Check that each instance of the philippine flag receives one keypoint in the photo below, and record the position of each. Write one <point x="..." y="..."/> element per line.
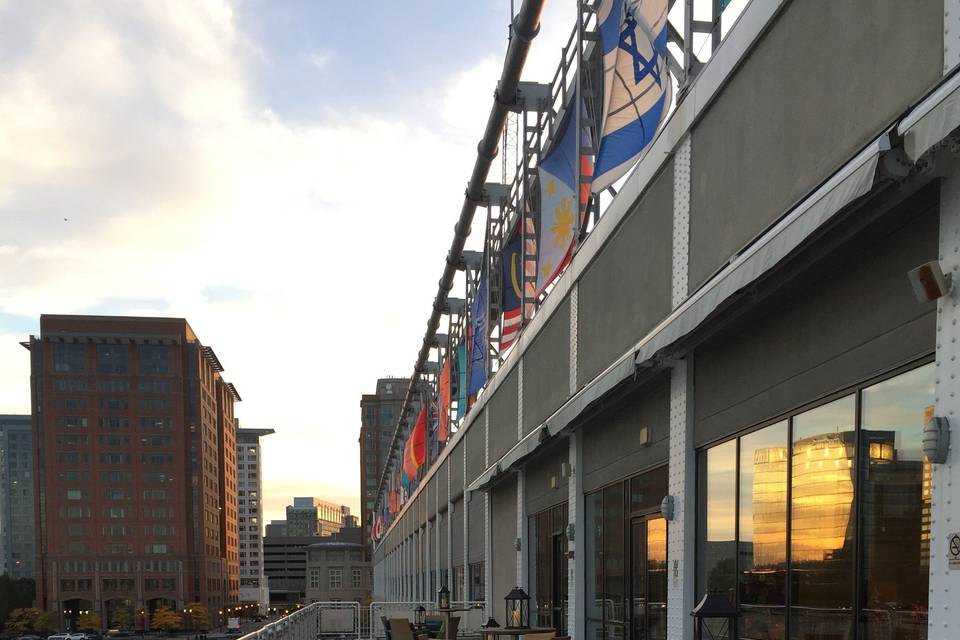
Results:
<point x="556" y="225"/>
<point x="637" y="89"/>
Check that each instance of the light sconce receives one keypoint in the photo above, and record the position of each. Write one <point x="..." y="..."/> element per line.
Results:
<point x="929" y="282"/>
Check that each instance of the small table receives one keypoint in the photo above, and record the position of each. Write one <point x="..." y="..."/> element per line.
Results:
<point x="496" y="632"/>
<point x="446" y="615"/>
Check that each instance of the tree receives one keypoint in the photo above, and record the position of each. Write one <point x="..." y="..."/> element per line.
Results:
<point x="89" y="621"/>
<point x="120" y="618"/>
<point x="198" y="616"/>
<point x="14" y="594"/>
<point x="47" y="621"/>
<point x="23" y="619"/>
<point x="165" y="619"/>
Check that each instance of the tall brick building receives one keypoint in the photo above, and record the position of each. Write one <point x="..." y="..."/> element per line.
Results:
<point x="378" y="419"/>
<point x="135" y="458"/>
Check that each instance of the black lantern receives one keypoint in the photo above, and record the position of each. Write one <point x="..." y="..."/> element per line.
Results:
<point x="715" y="618"/>
<point x="518" y="609"/>
<point x="421" y="616"/>
<point x="443" y="598"/>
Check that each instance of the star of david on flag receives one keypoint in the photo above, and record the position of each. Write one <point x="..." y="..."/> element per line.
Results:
<point x="637" y="89"/>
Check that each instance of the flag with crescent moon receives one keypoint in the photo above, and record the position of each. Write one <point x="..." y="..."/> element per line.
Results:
<point x="512" y="291"/>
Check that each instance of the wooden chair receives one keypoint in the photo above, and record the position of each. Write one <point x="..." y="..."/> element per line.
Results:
<point x="386" y="627"/>
<point x="401" y="629"/>
<point x="451" y="633"/>
<point x="539" y="636"/>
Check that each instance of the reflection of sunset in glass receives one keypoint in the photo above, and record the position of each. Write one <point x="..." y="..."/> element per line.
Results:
<point x="769" y="506"/>
<point x="822" y="495"/>
<point x="656" y="540"/>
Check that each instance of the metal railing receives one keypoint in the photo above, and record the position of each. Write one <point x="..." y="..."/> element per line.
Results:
<point x="353" y="620"/>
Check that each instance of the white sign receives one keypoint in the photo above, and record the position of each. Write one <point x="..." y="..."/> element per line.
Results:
<point x="953" y="550"/>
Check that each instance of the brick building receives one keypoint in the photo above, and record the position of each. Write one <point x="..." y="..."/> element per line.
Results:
<point x="135" y="458"/>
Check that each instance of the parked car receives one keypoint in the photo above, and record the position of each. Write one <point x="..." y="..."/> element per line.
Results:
<point x="29" y="637"/>
<point x="67" y="636"/>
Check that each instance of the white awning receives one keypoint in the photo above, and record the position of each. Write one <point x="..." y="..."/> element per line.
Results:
<point x="932" y="120"/>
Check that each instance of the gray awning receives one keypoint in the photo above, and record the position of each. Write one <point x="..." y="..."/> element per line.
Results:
<point x="932" y="120"/>
<point x="852" y="181"/>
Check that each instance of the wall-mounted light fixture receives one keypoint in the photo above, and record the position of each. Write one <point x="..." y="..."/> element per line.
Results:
<point x="564" y="469"/>
<point x="643" y="436"/>
<point x="936" y="439"/>
<point x="666" y="508"/>
<point x="929" y="282"/>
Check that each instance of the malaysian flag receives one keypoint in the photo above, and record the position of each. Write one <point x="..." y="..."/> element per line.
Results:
<point x="512" y="288"/>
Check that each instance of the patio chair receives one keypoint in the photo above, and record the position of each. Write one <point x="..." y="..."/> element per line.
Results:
<point x="386" y="627"/>
<point x="451" y="633"/>
<point x="539" y="636"/>
<point x="401" y="629"/>
<point x="434" y="626"/>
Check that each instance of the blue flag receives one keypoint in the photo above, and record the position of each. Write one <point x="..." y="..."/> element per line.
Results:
<point x="478" y="338"/>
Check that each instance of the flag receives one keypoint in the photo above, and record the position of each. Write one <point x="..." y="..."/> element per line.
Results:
<point x="478" y="337"/>
<point x="556" y="224"/>
<point x="636" y="83"/>
<point x="512" y="290"/>
<point x="461" y="379"/>
<point x="443" y="388"/>
<point x="414" y="452"/>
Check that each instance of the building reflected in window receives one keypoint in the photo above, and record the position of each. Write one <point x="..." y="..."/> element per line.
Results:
<point x="859" y="496"/>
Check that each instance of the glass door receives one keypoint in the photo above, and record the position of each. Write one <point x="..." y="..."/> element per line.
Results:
<point x="648" y="578"/>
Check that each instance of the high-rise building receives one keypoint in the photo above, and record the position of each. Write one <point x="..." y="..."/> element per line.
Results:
<point x="16" y="497"/>
<point x="309" y="516"/>
<point x="253" y="583"/>
<point x="135" y="459"/>
<point x="378" y="419"/>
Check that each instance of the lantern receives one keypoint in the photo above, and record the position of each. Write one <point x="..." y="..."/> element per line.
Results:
<point x="715" y="618"/>
<point x="517" y="609"/>
<point x="421" y="616"/>
<point x="443" y="598"/>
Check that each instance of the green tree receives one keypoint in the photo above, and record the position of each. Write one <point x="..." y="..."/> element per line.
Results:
<point x="121" y="618"/>
<point x="89" y="622"/>
<point x="23" y="619"/>
<point x="14" y="594"/>
<point x="165" y="619"/>
<point x="47" y="621"/>
<point x="198" y="616"/>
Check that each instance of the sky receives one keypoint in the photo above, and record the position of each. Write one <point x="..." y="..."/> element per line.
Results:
<point x="285" y="175"/>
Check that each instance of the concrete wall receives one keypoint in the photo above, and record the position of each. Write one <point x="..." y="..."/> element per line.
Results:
<point x="547" y="360"/>
<point x="503" y="527"/>
<point x="626" y="290"/>
<point x="611" y="448"/>
<point x="814" y="90"/>
<point x="537" y="490"/>
<point x="476" y="526"/>
<point x="852" y="316"/>
<point x="456" y="522"/>
<point x="475" y="441"/>
<point x="503" y="417"/>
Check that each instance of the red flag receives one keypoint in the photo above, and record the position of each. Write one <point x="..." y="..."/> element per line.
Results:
<point x="443" y="429"/>
<point x="414" y="453"/>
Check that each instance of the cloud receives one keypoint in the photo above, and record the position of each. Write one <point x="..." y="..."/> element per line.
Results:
<point x="225" y="293"/>
<point x="319" y="60"/>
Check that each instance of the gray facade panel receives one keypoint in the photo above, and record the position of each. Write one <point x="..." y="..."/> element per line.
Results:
<point x="503" y="417"/>
<point x="503" y="528"/>
<point x="611" y="444"/>
<point x="442" y="491"/>
<point x="475" y="525"/>
<point x="475" y="441"/>
<point x="456" y="521"/>
<point x="546" y="366"/>
<point x="430" y="500"/>
<point x="851" y="317"/>
<point x="539" y="474"/>
<point x="443" y="522"/>
<point x="455" y="460"/>
<point x="626" y="290"/>
<point x="793" y="113"/>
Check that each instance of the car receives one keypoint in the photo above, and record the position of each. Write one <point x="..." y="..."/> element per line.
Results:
<point x="29" y="637"/>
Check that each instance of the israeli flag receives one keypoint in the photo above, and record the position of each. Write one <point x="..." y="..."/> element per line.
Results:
<point x="636" y="82"/>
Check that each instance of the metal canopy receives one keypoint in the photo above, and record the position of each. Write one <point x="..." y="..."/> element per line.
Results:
<point x="932" y="120"/>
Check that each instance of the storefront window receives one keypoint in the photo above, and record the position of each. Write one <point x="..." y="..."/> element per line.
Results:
<point x="853" y="489"/>
<point x="895" y="482"/>
<point x="719" y="474"/>
<point x="821" y="524"/>
<point x="762" y="541"/>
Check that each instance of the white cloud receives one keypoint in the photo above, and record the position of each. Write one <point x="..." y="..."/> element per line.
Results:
<point x="319" y="60"/>
<point x="135" y="122"/>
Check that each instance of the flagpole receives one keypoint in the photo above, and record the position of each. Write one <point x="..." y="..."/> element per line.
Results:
<point x="577" y="97"/>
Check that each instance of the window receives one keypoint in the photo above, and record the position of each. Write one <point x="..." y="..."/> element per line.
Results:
<point x="111" y="358"/>
<point x="70" y="384"/>
<point x="153" y="404"/>
<point x="72" y="422"/>
<point x="477" y="581"/>
<point x="154" y="386"/>
<point x="155" y="423"/>
<point x="74" y="494"/>
<point x="114" y="422"/>
<point x="356" y="580"/>
<point x="114" y="404"/>
<point x="114" y="458"/>
<point x="113" y="386"/>
<point x="68" y="358"/>
<point x="314" y="578"/>
<point x="155" y="548"/>
<point x="854" y="489"/>
<point x="154" y="358"/>
<point x="335" y="578"/>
